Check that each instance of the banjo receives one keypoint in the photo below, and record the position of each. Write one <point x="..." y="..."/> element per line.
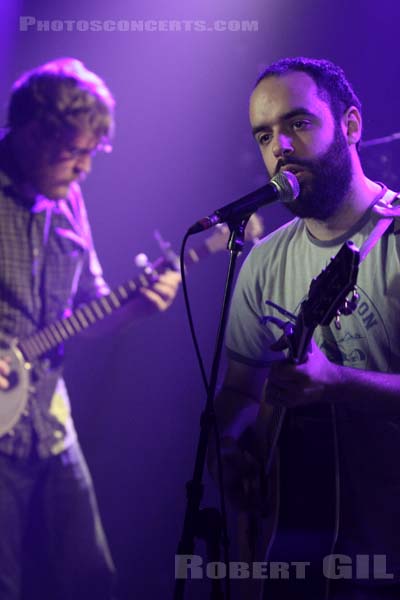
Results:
<point x="23" y="355"/>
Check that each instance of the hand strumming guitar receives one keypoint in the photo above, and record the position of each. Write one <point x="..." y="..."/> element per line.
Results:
<point x="297" y="384"/>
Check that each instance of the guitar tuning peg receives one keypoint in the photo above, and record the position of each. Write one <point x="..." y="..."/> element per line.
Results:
<point x="355" y="298"/>
<point x="350" y="305"/>
<point x="338" y="324"/>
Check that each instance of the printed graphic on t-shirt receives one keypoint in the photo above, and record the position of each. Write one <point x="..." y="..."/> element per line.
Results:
<point x="361" y="334"/>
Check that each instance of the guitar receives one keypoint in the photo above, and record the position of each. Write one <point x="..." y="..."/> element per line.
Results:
<point x="258" y="538"/>
<point x="23" y="355"/>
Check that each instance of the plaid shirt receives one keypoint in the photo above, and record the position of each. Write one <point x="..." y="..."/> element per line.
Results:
<point x="47" y="266"/>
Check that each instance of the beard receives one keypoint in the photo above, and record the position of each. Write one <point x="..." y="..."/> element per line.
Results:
<point x="331" y="173"/>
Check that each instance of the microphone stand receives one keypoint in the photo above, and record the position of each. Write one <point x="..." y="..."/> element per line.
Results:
<point x="207" y="523"/>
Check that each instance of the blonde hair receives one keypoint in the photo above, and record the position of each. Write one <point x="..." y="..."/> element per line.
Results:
<point x="64" y="97"/>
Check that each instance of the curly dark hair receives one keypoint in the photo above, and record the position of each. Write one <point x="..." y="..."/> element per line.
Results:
<point x="63" y="96"/>
<point x="330" y="80"/>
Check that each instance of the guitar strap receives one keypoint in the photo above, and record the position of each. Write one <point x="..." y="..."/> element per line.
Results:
<point x="387" y="214"/>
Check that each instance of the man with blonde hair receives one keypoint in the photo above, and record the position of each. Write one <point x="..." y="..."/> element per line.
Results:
<point x="52" y="543"/>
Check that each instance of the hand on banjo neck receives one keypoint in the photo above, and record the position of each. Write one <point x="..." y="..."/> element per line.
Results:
<point x="17" y="357"/>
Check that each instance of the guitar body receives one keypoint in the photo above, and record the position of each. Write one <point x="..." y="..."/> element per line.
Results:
<point x="297" y="523"/>
<point x="305" y="507"/>
<point x="296" y="529"/>
<point x="14" y="399"/>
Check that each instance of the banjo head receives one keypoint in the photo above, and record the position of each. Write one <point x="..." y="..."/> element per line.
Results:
<point x="13" y="400"/>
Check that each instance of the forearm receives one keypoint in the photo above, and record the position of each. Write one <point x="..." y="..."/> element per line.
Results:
<point x="237" y="409"/>
<point x="235" y="412"/>
<point x="319" y="380"/>
<point x="369" y="391"/>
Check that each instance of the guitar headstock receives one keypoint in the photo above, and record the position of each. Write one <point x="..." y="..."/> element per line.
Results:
<point x="328" y="292"/>
<point x="218" y="240"/>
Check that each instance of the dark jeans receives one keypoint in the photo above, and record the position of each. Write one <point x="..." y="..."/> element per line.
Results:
<point x="52" y="544"/>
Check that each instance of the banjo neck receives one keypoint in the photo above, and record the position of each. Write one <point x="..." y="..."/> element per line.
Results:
<point x="86" y="315"/>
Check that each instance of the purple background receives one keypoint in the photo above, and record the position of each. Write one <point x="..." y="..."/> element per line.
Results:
<point x="182" y="148"/>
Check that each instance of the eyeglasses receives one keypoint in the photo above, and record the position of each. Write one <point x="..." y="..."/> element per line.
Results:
<point x="75" y="153"/>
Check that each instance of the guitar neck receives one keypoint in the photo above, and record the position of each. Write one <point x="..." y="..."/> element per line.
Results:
<point x="300" y="341"/>
<point x="327" y="295"/>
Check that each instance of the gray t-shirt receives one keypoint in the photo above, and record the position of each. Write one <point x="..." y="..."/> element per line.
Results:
<point x="280" y="269"/>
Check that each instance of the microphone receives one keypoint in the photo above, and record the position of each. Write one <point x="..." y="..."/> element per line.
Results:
<point x="283" y="187"/>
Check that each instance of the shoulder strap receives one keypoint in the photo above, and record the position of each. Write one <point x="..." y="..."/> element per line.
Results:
<point x="387" y="213"/>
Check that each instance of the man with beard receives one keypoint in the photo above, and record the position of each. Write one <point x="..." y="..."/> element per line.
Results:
<point x="343" y="401"/>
